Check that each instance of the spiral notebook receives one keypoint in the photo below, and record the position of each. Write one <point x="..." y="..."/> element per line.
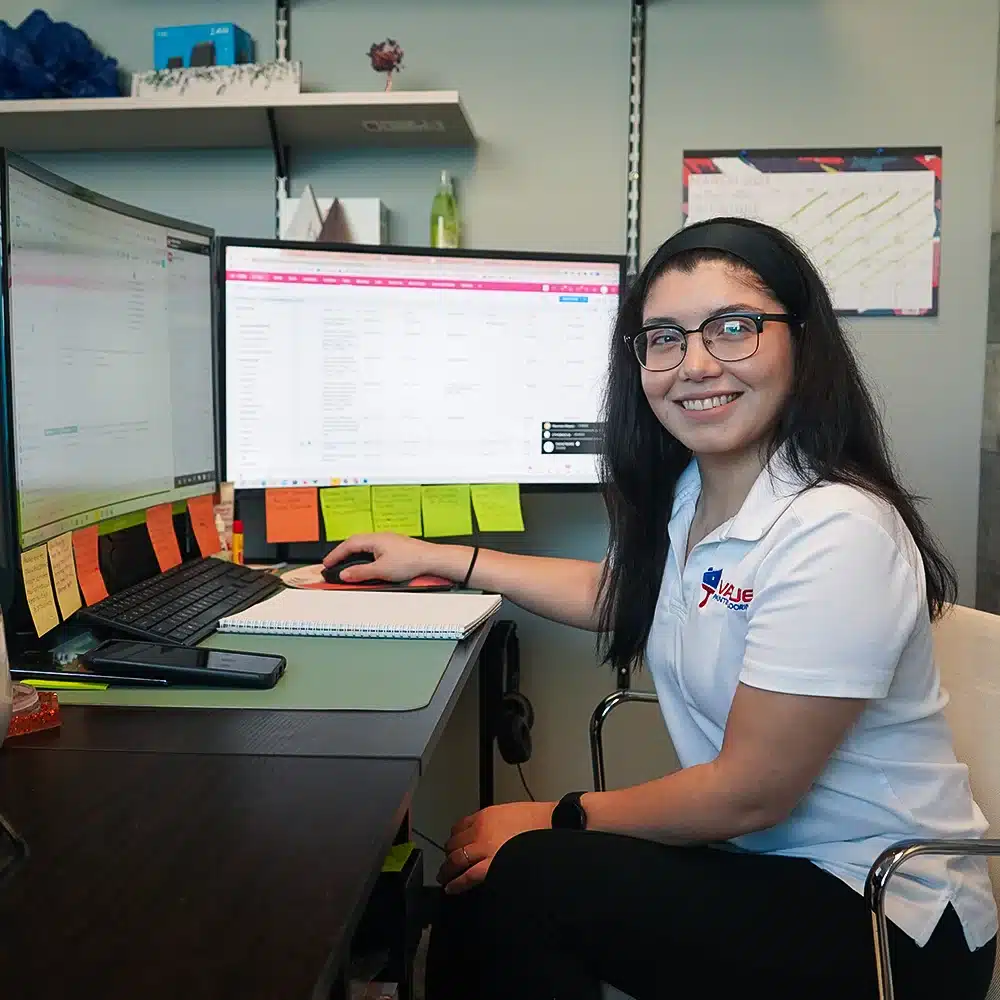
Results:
<point x="366" y="614"/>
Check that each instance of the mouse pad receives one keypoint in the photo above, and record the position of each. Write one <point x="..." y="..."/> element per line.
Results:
<point x="323" y="675"/>
<point x="311" y="578"/>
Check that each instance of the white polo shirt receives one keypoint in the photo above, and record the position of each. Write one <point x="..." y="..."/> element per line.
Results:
<point x="822" y="592"/>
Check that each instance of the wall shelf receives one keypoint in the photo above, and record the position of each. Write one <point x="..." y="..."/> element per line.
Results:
<point x="379" y="120"/>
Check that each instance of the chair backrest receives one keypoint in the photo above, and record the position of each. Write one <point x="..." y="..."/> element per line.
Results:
<point x="967" y="651"/>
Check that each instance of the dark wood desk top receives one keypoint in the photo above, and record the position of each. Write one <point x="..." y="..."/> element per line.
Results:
<point x="183" y="876"/>
<point x="393" y="735"/>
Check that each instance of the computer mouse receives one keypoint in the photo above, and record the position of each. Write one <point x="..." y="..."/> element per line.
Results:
<point x="331" y="574"/>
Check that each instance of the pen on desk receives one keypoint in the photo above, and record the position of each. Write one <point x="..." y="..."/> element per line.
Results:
<point x="82" y="682"/>
<point x="47" y="684"/>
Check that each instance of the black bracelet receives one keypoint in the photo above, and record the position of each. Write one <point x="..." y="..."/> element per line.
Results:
<point x="472" y="566"/>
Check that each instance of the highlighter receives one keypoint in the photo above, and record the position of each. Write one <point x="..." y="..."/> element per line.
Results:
<point x="238" y="542"/>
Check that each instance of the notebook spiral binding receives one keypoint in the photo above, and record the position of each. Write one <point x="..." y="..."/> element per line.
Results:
<point x="279" y="627"/>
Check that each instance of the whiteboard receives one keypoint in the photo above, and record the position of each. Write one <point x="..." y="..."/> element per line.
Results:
<point x="869" y="220"/>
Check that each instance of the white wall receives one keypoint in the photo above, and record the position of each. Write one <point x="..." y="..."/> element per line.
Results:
<point x="785" y="73"/>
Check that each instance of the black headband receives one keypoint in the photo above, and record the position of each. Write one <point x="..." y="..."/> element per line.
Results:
<point x="755" y="247"/>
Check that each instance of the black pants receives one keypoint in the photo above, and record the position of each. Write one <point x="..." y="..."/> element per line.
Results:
<point x="562" y="911"/>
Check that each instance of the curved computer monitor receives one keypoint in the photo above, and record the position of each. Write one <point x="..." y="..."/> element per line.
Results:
<point x="385" y="365"/>
<point x="108" y="359"/>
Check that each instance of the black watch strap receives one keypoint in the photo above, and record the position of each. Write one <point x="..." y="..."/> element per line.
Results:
<point x="569" y="813"/>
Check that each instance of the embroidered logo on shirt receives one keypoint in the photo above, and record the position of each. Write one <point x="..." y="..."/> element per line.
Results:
<point x="734" y="598"/>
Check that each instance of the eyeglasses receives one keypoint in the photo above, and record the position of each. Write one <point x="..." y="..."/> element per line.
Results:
<point x="659" y="347"/>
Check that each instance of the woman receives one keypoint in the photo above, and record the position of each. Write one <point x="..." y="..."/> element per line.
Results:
<point x="779" y="583"/>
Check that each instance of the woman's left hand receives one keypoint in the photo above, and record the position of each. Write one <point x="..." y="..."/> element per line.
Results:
<point x="476" y="839"/>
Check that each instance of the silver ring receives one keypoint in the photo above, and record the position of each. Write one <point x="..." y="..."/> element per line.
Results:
<point x="468" y="860"/>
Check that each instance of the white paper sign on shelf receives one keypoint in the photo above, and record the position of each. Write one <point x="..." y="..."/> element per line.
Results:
<point x="868" y="219"/>
<point x="335" y="220"/>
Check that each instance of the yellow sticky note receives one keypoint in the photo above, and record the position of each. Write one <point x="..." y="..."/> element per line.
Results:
<point x="347" y="510"/>
<point x="64" y="574"/>
<point x="498" y="507"/>
<point x="398" y="855"/>
<point x="396" y="508"/>
<point x="38" y="589"/>
<point x="447" y="511"/>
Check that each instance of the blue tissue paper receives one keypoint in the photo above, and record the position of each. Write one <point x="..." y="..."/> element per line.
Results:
<point x="46" y="58"/>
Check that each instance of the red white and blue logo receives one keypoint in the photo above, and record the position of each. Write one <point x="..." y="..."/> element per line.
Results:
<point x="717" y="589"/>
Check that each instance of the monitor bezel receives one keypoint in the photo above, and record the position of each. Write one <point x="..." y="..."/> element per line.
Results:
<point x="224" y="242"/>
<point x="9" y="161"/>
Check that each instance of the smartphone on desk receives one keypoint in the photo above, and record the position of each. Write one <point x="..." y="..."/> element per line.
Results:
<point x="185" y="665"/>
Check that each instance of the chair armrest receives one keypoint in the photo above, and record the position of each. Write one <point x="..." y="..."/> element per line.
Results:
<point x="603" y="710"/>
<point x="878" y="880"/>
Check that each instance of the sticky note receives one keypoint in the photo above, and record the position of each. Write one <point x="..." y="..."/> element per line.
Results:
<point x="38" y="589"/>
<point x="397" y="857"/>
<point x="201" y="510"/>
<point x="121" y="522"/>
<point x="347" y="510"/>
<point x="447" y="511"/>
<point x="160" y="525"/>
<point x="64" y="574"/>
<point x="396" y="508"/>
<point x="88" y="567"/>
<point x="498" y="507"/>
<point x="292" y="515"/>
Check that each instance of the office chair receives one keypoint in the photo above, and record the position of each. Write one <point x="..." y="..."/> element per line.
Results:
<point x="597" y="720"/>
<point x="967" y="650"/>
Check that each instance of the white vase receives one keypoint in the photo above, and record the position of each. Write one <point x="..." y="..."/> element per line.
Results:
<point x="6" y="685"/>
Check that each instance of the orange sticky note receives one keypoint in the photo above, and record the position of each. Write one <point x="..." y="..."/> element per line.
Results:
<point x="160" y="525"/>
<point x="202" y="513"/>
<point x="88" y="568"/>
<point x="292" y="515"/>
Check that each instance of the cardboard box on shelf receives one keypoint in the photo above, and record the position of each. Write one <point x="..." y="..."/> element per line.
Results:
<point x="218" y="44"/>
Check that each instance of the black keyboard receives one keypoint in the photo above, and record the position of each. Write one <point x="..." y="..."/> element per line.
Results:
<point x="184" y="604"/>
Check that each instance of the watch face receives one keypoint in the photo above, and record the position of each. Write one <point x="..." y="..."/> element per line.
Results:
<point x="569" y="814"/>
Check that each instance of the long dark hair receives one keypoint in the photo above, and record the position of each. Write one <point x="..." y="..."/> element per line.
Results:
<point x="830" y="426"/>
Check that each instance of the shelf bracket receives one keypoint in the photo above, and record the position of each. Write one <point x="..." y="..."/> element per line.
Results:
<point x="280" y="169"/>
<point x="282" y="21"/>
<point x="637" y="79"/>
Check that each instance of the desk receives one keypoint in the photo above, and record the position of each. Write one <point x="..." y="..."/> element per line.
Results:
<point x="209" y="853"/>
<point x="386" y="735"/>
<point x="166" y="876"/>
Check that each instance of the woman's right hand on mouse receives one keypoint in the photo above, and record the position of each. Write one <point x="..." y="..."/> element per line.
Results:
<point x="397" y="557"/>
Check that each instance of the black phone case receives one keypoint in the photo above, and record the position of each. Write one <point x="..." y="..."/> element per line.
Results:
<point x="180" y="676"/>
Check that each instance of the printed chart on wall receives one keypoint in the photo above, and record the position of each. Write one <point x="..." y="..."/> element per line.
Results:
<point x="870" y="219"/>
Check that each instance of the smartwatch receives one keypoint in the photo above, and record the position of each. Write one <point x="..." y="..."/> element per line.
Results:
<point x="569" y="813"/>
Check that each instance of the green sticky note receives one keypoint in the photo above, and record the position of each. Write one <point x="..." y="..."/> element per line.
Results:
<point x="498" y="507"/>
<point x="347" y="510"/>
<point x="398" y="855"/>
<point x="396" y="508"/>
<point x="447" y="511"/>
<point x="121" y="522"/>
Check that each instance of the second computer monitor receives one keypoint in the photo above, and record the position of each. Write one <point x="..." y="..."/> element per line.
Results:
<point x="351" y="365"/>
<point x="110" y="342"/>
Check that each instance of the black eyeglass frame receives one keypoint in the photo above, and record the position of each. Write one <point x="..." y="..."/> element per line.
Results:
<point x="759" y="319"/>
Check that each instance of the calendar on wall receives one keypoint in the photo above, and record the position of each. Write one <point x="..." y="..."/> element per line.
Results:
<point x="869" y="219"/>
